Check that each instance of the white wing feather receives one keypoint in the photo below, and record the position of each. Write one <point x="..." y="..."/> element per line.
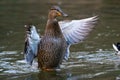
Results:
<point x="76" y="31"/>
<point x="115" y="47"/>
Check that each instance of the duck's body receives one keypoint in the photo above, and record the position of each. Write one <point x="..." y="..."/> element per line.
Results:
<point x="52" y="47"/>
<point x="53" y="44"/>
<point x="58" y="37"/>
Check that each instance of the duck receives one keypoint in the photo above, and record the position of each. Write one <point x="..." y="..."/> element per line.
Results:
<point x="53" y="47"/>
<point x="116" y="47"/>
<point x="53" y="44"/>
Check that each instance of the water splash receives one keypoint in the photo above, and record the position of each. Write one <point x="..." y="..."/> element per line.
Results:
<point x="10" y="64"/>
<point x="83" y="64"/>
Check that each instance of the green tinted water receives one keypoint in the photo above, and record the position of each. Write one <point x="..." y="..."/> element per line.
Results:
<point x="92" y="59"/>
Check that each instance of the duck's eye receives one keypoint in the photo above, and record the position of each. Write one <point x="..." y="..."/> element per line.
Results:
<point x="57" y="10"/>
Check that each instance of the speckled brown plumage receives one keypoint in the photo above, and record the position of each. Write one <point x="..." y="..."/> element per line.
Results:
<point x="53" y="45"/>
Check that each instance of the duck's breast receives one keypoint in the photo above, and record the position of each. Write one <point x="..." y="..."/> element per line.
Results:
<point x="51" y="51"/>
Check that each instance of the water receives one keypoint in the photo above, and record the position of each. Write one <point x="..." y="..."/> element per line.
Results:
<point x="93" y="59"/>
<point x="99" y="65"/>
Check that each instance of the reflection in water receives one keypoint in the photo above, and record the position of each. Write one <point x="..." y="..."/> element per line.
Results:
<point x="49" y="75"/>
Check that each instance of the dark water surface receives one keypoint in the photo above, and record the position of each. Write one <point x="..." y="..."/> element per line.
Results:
<point x="93" y="59"/>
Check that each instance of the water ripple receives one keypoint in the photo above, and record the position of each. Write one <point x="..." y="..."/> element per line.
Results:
<point x="77" y="60"/>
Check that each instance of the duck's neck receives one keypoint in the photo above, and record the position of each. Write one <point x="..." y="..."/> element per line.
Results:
<point x="53" y="28"/>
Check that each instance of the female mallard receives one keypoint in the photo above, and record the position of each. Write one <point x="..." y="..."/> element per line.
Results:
<point x="55" y="44"/>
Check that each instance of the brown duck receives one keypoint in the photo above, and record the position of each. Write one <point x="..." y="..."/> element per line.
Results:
<point x="54" y="46"/>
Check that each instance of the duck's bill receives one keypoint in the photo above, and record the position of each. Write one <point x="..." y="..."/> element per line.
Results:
<point x="115" y="47"/>
<point x="59" y="10"/>
<point x="61" y="13"/>
<point x="64" y="14"/>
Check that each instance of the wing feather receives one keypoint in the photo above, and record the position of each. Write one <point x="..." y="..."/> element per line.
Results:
<point x="76" y="31"/>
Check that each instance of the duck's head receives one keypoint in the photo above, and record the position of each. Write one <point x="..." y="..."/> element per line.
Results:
<point x="117" y="48"/>
<point x="56" y="11"/>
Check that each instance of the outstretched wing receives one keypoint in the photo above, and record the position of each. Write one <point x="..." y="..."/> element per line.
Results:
<point x="31" y="44"/>
<point x="76" y="31"/>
